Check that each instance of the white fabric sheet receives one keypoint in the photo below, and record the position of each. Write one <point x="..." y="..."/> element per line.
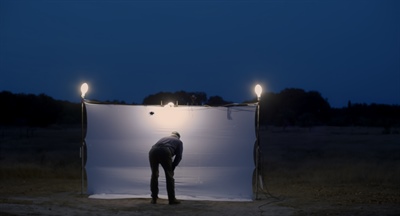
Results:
<point x="217" y="162"/>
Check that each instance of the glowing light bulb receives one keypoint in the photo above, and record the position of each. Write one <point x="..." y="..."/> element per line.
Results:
<point x="170" y="104"/>
<point x="84" y="89"/>
<point x="258" y="90"/>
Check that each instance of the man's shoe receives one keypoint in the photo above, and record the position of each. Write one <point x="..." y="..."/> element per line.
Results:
<point x="174" y="202"/>
<point x="153" y="201"/>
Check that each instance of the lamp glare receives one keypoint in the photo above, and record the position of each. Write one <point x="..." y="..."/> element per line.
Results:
<point x="170" y="104"/>
<point x="84" y="89"/>
<point x="258" y="90"/>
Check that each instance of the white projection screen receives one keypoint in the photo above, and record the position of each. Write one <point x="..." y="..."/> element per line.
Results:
<point x="217" y="162"/>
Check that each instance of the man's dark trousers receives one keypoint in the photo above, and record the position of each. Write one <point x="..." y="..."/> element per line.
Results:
<point x="163" y="156"/>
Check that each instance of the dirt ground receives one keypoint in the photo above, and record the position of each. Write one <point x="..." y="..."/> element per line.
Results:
<point x="306" y="171"/>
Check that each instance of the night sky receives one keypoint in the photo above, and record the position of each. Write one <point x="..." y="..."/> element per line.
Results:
<point x="127" y="50"/>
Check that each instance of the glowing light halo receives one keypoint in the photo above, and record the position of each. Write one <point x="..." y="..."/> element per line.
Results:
<point x="170" y="104"/>
<point x="84" y="89"/>
<point x="170" y="119"/>
<point x="258" y="91"/>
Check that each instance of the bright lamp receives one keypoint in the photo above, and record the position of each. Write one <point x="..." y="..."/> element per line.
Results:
<point x="170" y="104"/>
<point x="84" y="89"/>
<point x="258" y="90"/>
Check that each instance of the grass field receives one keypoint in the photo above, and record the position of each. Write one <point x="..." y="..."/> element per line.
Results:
<point x="40" y="153"/>
<point x="326" y="169"/>
<point x="306" y="171"/>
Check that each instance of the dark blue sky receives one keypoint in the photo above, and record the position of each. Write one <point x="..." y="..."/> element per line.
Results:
<point x="127" y="50"/>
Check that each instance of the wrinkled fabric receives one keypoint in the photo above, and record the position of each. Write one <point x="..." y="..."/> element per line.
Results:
<point x="217" y="162"/>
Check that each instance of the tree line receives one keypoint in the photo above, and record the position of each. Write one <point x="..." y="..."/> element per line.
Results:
<point x="290" y="107"/>
<point x="296" y="107"/>
<point x="36" y="110"/>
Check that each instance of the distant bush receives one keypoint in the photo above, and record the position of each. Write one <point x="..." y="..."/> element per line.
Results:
<point x="373" y="115"/>
<point x="290" y="107"/>
<point x="36" y="110"/>
<point x="294" y="107"/>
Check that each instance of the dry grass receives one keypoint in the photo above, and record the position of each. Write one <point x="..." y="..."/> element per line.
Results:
<point x="316" y="171"/>
<point x="40" y="153"/>
<point x="339" y="167"/>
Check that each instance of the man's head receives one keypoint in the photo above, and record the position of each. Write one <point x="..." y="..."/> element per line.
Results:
<point x="175" y="133"/>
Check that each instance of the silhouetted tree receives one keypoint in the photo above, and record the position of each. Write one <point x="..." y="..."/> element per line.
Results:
<point x="8" y="108"/>
<point x="217" y="101"/>
<point x="71" y="113"/>
<point x="115" y="101"/>
<point x="289" y="107"/>
<point x="29" y="109"/>
<point x="294" y="107"/>
<point x="180" y="97"/>
<point x="376" y="115"/>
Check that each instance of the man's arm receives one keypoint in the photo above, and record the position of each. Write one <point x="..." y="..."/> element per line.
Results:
<point x="178" y="155"/>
